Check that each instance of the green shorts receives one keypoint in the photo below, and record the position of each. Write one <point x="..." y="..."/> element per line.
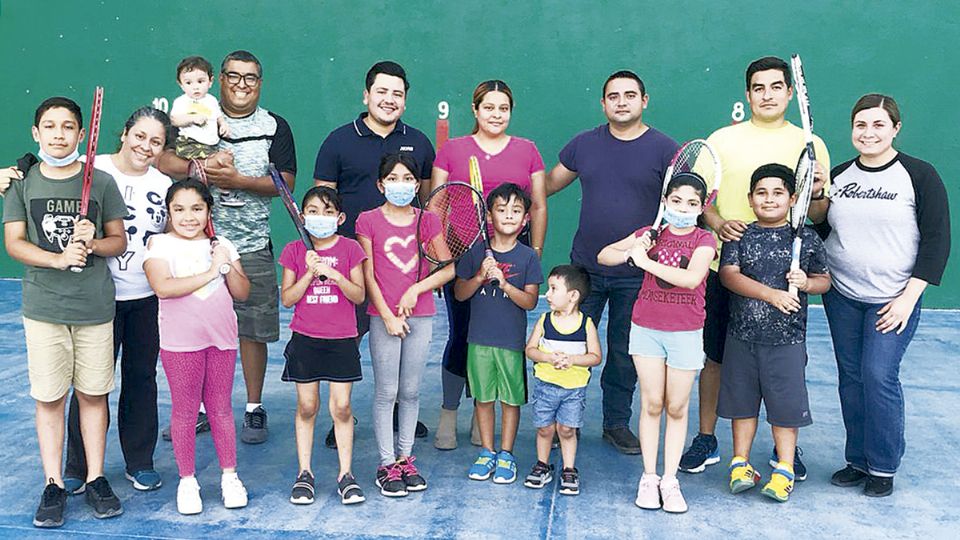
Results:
<point x="496" y="374"/>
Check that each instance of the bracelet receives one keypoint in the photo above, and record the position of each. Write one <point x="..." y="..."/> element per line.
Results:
<point x="820" y="197"/>
<point x="538" y="248"/>
<point x="626" y="255"/>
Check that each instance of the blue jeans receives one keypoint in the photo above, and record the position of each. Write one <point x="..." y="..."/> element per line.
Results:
<point x="619" y="377"/>
<point x="871" y="397"/>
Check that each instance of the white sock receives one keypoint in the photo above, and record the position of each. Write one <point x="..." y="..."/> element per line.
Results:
<point x="226" y="475"/>
<point x="252" y="406"/>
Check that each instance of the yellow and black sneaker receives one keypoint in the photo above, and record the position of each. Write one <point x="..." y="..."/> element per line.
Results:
<point x="742" y="475"/>
<point x="780" y="484"/>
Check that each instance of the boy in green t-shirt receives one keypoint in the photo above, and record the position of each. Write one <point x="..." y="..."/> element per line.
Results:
<point x="67" y="316"/>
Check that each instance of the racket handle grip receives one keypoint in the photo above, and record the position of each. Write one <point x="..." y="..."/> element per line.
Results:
<point x="795" y="263"/>
<point x="489" y="253"/>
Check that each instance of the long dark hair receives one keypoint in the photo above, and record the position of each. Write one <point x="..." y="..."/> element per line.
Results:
<point x="149" y="112"/>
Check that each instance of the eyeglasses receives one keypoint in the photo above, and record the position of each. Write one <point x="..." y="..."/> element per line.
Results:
<point x="234" y="78"/>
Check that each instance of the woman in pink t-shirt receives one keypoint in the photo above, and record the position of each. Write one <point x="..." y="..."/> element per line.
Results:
<point x="197" y="279"/>
<point x="666" y="337"/>
<point x="503" y="158"/>
<point x="325" y="283"/>
<point x="399" y="286"/>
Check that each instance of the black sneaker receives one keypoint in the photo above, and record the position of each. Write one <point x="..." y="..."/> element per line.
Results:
<point x="254" y="429"/>
<point x="331" y="440"/>
<point x="878" y="486"/>
<point x="622" y="439"/>
<point x="101" y="498"/>
<point x="570" y="481"/>
<point x="350" y="492"/>
<point x="703" y="451"/>
<point x="420" y="433"/>
<point x="52" y="504"/>
<point x="848" y="477"/>
<point x="411" y="476"/>
<point x="799" y="469"/>
<point x="540" y="475"/>
<point x="302" y="492"/>
<point x="203" y="425"/>
<point x="390" y="481"/>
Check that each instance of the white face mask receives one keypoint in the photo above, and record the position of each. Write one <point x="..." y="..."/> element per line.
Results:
<point x="680" y="220"/>
<point x="58" y="162"/>
<point x="399" y="193"/>
<point x="321" y="226"/>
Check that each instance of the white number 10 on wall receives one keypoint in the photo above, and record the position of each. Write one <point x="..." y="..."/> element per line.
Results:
<point x="161" y="103"/>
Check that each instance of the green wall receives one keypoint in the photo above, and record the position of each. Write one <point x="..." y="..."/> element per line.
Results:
<point x="555" y="54"/>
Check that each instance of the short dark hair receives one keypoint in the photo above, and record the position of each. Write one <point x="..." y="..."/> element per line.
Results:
<point x="624" y="74"/>
<point x="506" y="191"/>
<point x="389" y="161"/>
<point x="691" y="179"/>
<point x="574" y="277"/>
<point x="387" y="67"/>
<point x="767" y="63"/>
<point x="241" y="56"/>
<point x="774" y="170"/>
<point x="58" y="101"/>
<point x="327" y="196"/>
<point x="194" y="63"/>
<point x="190" y="183"/>
<point x="870" y="101"/>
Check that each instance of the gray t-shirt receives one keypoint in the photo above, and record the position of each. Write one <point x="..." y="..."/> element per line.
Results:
<point x="49" y="207"/>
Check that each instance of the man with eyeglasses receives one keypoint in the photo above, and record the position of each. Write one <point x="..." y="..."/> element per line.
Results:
<point x="242" y="190"/>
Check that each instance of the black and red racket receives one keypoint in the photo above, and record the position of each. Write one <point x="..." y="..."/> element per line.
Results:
<point x="463" y="221"/>
<point x="92" y="135"/>
<point x="284" y="191"/>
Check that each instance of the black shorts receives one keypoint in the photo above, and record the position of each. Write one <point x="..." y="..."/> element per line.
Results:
<point x="311" y="359"/>
<point x="717" y="318"/>
<point x="775" y="374"/>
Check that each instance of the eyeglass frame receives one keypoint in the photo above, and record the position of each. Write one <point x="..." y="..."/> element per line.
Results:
<point x="245" y="77"/>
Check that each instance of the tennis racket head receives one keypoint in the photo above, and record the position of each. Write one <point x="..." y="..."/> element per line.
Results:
<point x="803" y="175"/>
<point x="462" y="214"/>
<point x="696" y="158"/>
<point x="196" y="171"/>
<point x="93" y="135"/>
<point x="803" y="97"/>
<point x="286" y="197"/>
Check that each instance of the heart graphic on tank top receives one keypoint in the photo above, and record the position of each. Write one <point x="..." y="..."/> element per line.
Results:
<point x="405" y="267"/>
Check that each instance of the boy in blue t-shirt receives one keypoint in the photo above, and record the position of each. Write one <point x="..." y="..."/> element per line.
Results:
<point x="765" y="356"/>
<point x="501" y="290"/>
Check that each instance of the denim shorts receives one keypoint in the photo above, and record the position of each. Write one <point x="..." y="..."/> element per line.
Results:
<point x="682" y="350"/>
<point x="556" y="404"/>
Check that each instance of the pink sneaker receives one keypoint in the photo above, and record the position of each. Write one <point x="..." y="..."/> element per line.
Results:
<point x="673" y="501"/>
<point x="648" y="494"/>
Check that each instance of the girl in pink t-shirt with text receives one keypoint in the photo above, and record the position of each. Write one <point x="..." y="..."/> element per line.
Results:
<point x="325" y="284"/>
<point x="666" y="337"/>
<point x="399" y="286"/>
<point x="197" y="279"/>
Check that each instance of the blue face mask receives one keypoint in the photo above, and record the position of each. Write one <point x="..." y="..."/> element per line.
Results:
<point x="680" y="220"/>
<point x="58" y="162"/>
<point x="399" y="193"/>
<point x="321" y="226"/>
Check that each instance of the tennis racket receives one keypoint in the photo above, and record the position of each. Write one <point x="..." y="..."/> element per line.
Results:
<point x="92" y="135"/>
<point x="463" y="221"/>
<point x="284" y="191"/>
<point x="476" y="180"/>
<point x="195" y="170"/>
<point x="805" y="165"/>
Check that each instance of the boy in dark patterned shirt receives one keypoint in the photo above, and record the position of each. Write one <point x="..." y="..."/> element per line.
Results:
<point x="765" y="355"/>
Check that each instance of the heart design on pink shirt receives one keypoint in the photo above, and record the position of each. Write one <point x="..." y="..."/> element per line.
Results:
<point x="405" y="267"/>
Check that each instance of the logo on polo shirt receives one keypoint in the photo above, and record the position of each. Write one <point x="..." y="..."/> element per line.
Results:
<point x="406" y="149"/>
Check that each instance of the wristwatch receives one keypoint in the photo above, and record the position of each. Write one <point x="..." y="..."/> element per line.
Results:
<point x="225" y="269"/>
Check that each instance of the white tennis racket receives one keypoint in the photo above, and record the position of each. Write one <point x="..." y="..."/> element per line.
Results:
<point x="805" y="165"/>
<point x="696" y="157"/>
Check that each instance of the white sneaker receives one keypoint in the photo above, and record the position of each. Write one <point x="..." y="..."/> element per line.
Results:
<point x="648" y="492"/>
<point x="233" y="493"/>
<point x="188" y="496"/>
<point x="673" y="500"/>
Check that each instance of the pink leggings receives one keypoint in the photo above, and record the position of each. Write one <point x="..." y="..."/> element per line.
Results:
<point x="197" y="376"/>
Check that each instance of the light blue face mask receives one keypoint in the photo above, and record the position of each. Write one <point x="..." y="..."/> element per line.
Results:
<point x="58" y="162"/>
<point x="321" y="226"/>
<point x="680" y="220"/>
<point x="399" y="193"/>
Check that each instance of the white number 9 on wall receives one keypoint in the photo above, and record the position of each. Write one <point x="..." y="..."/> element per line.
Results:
<point x="443" y="110"/>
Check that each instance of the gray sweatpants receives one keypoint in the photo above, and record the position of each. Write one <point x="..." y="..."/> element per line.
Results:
<point x="397" y="372"/>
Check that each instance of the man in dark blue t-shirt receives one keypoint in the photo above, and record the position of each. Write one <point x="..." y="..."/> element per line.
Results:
<point x="621" y="166"/>
<point x="349" y="158"/>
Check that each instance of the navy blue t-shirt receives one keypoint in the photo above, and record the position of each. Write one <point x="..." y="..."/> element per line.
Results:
<point x="495" y="321"/>
<point x="621" y="183"/>
<point x="763" y="255"/>
<point x="350" y="157"/>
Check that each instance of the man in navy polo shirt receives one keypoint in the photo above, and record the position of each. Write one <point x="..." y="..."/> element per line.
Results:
<point x="349" y="158"/>
<point x="620" y="165"/>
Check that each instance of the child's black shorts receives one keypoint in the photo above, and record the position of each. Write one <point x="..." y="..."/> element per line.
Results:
<point x="311" y="359"/>
<point x="775" y="374"/>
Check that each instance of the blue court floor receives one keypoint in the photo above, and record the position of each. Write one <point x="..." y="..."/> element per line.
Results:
<point x="924" y="504"/>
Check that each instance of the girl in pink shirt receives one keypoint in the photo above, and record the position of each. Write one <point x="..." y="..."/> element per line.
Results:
<point x="325" y="284"/>
<point x="666" y="337"/>
<point x="197" y="280"/>
<point x="401" y="308"/>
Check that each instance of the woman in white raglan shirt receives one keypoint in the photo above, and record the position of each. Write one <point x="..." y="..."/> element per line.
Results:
<point x="888" y="237"/>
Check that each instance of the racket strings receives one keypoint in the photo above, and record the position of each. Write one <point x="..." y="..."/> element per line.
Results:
<point x="696" y="158"/>
<point x="804" y="179"/>
<point x="459" y="212"/>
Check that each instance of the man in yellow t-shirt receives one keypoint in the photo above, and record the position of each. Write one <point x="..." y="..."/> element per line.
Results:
<point x="767" y="137"/>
